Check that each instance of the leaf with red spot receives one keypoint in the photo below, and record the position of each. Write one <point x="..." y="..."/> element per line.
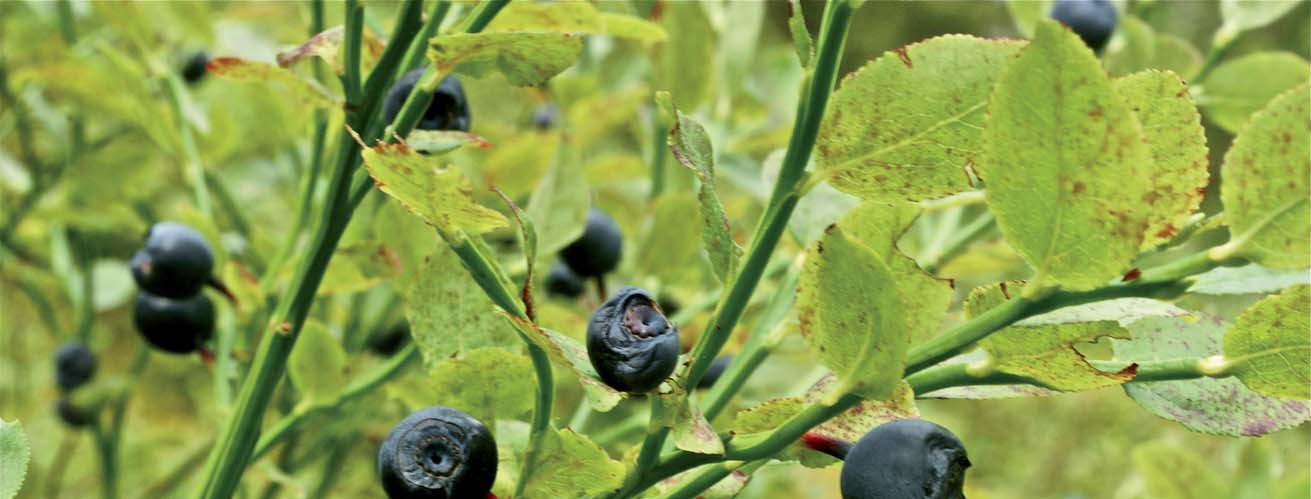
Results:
<point x="237" y="69"/>
<point x="525" y="58"/>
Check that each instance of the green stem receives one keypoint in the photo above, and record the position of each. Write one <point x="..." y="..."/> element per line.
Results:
<point x="759" y="345"/>
<point x="360" y="387"/>
<point x="108" y="464"/>
<point x="351" y="45"/>
<point x="656" y="433"/>
<point x="488" y="278"/>
<point x="1164" y="281"/>
<point x="483" y="15"/>
<point x="418" y="51"/>
<point x="816" y="89"/>
<point x="962" y="374"/>
<point x="192" y="168"/>
<point x="659" y="150"/>
<point x="961" y="241"/>
<point x="230" y="456"/>
<point x="710" y="476"/>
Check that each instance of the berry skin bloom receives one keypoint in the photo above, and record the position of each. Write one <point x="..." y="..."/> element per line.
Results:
<point x="906" y="458"/>
<point x="630" y="342"/>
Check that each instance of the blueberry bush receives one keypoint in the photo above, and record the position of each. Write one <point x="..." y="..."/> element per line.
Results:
<point x="655" y="248"/>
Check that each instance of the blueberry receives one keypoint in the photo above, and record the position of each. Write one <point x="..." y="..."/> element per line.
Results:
<point x="598" y="250"/>
<point x="72" y="415"/>
<point x="193" y="69"/>
<point x="546" y="116"/>
<point x="448" y="111"/>
<point x="669" y="305"/>
<point x="74" y="365"/>
<point x="438" y="452"/>
<point x="630" y="342"/>
<point x="177" y="326"/>
<point x="1092" y="20"/>
<point x="175" y="263"/>
<point x="906" y="458"/>
<point x="562" y="281"/>
<point x="390" y="340"/>
<point x="715" y="370"/>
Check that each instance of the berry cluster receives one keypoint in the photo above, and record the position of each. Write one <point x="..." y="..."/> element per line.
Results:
<point x="171" y="311"/>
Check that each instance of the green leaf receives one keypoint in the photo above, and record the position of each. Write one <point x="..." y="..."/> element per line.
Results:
<point x="442" y="197"/>
<point x="443" y="141"/>
<point x="869" y="414"/>
<point x="1218" y="406"/>
<point x="1176" y="54"/>
<point x="1248" y="279"/>
<point x="568" y="353"/>
<point x="1044" y="355"/>
<point x="308" y="91"/>
<point x="14" y="455"/>
<point x="1268" y="348"/>
<point x="801" y="41"/>
<point x="767" y="416"/>
<point x="358" y="266"/>
<point x="1170" y="472"/>
<point x="488" y="383"/>
<point x="558" y="206"/>
<point x="1060" y="146"/>
<point x="573" y="17"/>
<point x="878" y="227"/>
<point x="691" y="146"/>
<point x="690" y="430"/>
<point x="1267" y="185"/>
<point x="1243" y="15"/>
<point x="852" y="316"/>
<point x="327" y="46"/>
<point x="448" y="312"/>
<point x="524" y="58"/>
<point x="687" y="61"/>
<point x="897" y="132"/>
<point x="671" y="247"/>
<point x="317" y="365"/>
<point x="1027" y="13"/>
<point x="570" y="465"/>
<point x="1230" y="94"/>
<point x="1138" y="50"/>
<point x="1174" y="134"/>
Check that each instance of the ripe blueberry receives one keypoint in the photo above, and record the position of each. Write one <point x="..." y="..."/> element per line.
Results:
<point x="1092" y="20"/>
<point x="546" y="116"/>
<point x="448" y="111"/>
<point x="177" y="326"/>
<point x="562" y="281"/>
<point x="74" y="365"/>
<point x="72" y="415"/>
<point x="630" y="342"/>
<point x="438" y="453"/>
<point x="390" y="340"/>
<point x="193" y="69"/>
<point x="598" y="250"/>
<point x="713" y="372"/>
<point x="906" y="458"/>
<point x="175" y="263"/>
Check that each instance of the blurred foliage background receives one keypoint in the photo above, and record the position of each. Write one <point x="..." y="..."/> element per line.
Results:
<point x="92" y="151"/>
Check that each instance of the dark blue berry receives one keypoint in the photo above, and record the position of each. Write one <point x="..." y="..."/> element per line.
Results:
<point x="546" y="116"/>
<point x="175" y="262"/>
<point x="1093" y="20"/>
<point x="598" y="250"/>
<point x="562" y="281"/>
<point x="74" y="365"/>
<point x="630" y="343"/>
<point x="438" y="453"/>
<point x="194" y="68"/>
<point x="176" y="326"/>
<point x="906" y="458"/>
<point x="449" y="110"/>
<point x="72" y="415"/>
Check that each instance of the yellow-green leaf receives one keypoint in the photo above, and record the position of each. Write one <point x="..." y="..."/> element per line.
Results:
<point x="1066" y="165"/>
<point x="14" y="455"/>
<point x="442" y="197"/>
<point x="1267" y="184"/>
<point x="449" y="313"/>
<point x="1268" y="346"/>
<point x="570" y="465"/>
<point x="488" y="383"/>
<point x="1231" y="93"/>
<point x="525" y="58"/>
<point x="1177" y="141"/>
<point x="317" y="365"/>
<point x="895" y="131"/>
<point x="237" y="69"/>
